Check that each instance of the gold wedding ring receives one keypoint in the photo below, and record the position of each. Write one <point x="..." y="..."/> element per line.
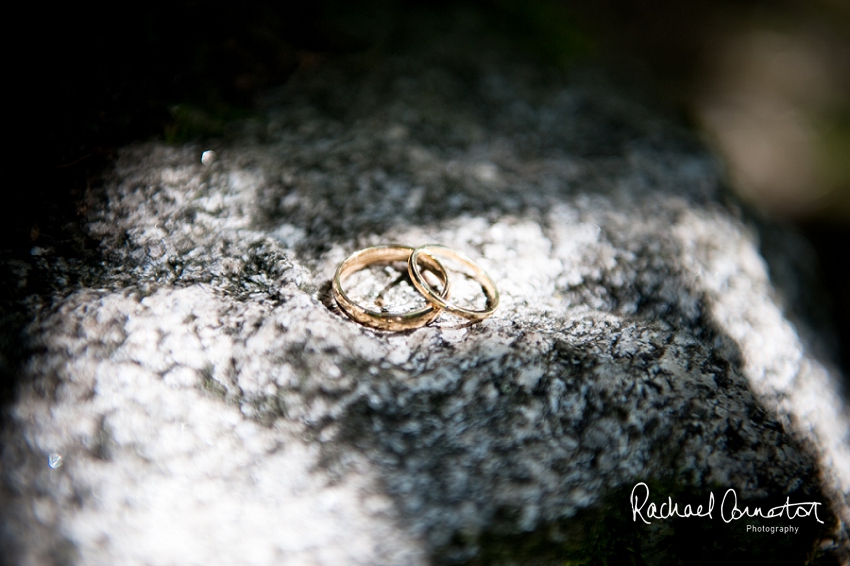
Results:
<point x="429" y="251"/>
<point x="418" y="260"/>
<point x="384" y="320"/>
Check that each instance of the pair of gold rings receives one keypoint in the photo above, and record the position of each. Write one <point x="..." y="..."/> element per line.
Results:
<point x="419" y="260"/>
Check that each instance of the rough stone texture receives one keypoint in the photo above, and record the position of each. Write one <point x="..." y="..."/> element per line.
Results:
<point x="211" y="405"/>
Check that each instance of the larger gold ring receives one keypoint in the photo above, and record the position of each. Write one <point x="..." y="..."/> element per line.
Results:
<point x="381" y="319"/>
<point x="425" y="254"/>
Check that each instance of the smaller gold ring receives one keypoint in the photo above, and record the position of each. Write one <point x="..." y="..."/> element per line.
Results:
<point x="487" y="285"/>
<point x="381" y="319"/>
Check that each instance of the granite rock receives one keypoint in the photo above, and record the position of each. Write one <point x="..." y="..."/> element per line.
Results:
<point x="196" y="397"/>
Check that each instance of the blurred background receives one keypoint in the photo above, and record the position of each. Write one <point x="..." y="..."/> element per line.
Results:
<point x="767" y="83"/>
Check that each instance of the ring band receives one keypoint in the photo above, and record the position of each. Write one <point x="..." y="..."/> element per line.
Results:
<point x="387" y="320"/>
<point x="439" y="300"/>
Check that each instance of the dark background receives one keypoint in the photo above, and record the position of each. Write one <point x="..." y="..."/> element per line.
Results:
<point x="768" y="83"/>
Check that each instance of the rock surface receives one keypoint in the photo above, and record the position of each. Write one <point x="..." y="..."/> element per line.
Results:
<point x="210" y="404"/>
